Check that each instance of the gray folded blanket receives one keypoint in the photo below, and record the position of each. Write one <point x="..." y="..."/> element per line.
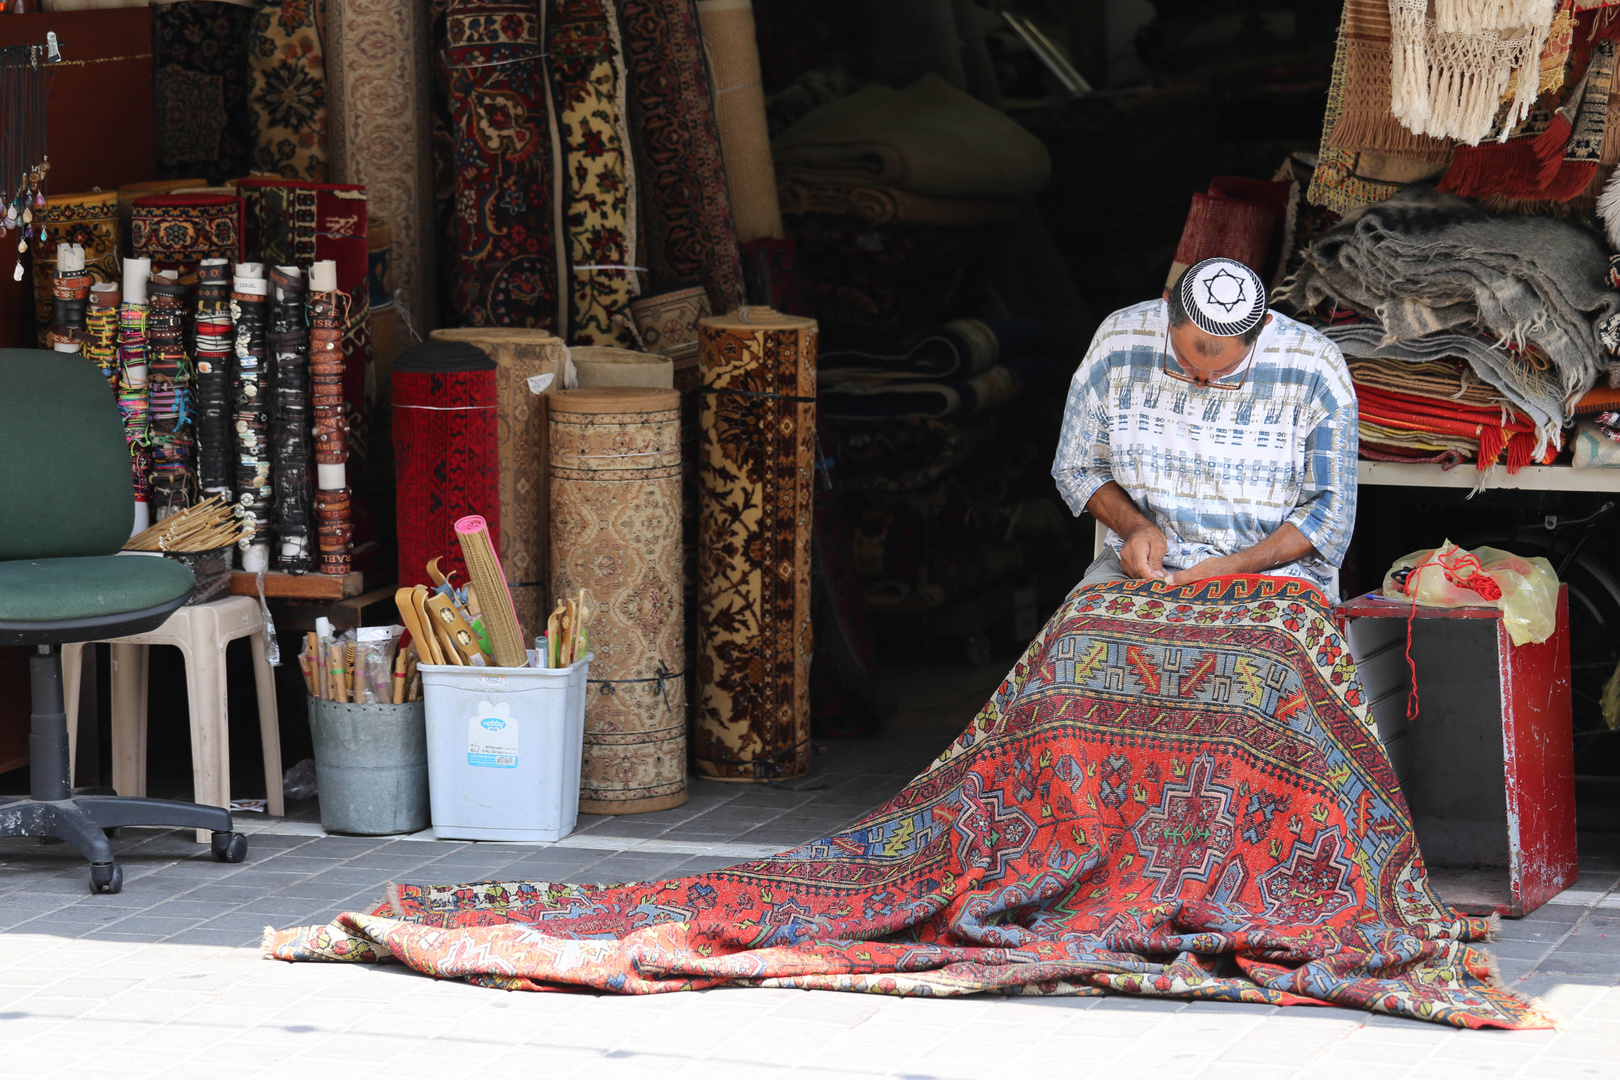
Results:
<point x="1425" y="263"/>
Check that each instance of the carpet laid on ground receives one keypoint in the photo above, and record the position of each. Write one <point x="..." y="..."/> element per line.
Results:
<point x="1176" y="792"/>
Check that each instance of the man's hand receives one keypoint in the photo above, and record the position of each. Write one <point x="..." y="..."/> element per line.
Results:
<point x="1220" y="566"/>
<point x="1142" y="555"/>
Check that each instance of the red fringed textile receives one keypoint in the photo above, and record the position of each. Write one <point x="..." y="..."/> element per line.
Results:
<point x="446" y="461"/>
<point x="505" y="208"/>
<point x="1517" y="438"/>
<point x="689" y="235"/>
<point x="1225" y="228"/>
<point x="1175" y="793"/>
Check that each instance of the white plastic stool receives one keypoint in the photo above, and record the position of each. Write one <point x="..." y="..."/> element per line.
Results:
<point x="201" y="633"/>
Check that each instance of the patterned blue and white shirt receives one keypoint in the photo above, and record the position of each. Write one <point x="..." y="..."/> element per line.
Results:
<point x="1218" y="470"/>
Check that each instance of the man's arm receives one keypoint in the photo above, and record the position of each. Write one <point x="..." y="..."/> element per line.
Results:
<point x="1142" y="555"/>
<point x="1286" y="545"/>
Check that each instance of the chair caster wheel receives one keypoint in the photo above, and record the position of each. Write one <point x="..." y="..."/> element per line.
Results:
<point x="230" y="847"/>
<point x="106" y="877"/>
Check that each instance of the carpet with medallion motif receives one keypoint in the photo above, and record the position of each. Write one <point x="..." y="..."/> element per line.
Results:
<point x="1175" y="793"/>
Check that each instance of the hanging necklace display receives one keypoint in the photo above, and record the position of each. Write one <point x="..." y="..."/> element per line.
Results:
<point x="25" y="86"/>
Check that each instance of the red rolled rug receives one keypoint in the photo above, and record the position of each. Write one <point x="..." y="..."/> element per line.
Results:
<point x="446" y="463"/>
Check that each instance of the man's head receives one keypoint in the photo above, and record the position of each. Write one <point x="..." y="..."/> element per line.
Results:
<point x="1217" y="310"/>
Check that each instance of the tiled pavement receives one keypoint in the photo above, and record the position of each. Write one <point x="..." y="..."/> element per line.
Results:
<point x="165" y="979"/>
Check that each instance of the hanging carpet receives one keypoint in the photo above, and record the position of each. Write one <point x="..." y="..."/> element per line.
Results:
<point x="506" y="224"/>
<point x="288" y="100"/>
<point x="689" y="236"/>
<point x="201" y="86"/>
<point x="1175" y="793"/>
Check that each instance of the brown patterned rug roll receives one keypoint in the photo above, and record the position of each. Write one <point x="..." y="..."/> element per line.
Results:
<point x="89" y="220"/>
<point x="521" y="355"/>
<point x="739" y="113"/>
<point x="616" y="528"/>
<point x="757" y="419"/>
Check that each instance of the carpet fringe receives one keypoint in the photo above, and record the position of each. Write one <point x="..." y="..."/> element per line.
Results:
<point x="267" y="943"/>
<point x="391" y="901"/>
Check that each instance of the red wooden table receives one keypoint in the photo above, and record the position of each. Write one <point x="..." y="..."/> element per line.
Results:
<point x="1487" y="765"/>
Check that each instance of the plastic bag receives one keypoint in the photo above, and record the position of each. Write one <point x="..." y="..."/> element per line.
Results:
<point x="1526" y="589"/>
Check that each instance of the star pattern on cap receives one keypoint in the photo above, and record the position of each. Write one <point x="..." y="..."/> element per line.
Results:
<point x="1224" y="289"/>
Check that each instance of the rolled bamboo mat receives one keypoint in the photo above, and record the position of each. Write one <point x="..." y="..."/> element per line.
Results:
<point x="520" y="356"/>
<point x="616" y="529"/>
<point x="378" y="68"/>
<point x="739" y="95"/>
<point x="601" y="366"/>
<point x="495" y="600"/>
<point x="757" y="422"/>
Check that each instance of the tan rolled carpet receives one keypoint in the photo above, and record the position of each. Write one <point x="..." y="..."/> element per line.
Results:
<point x="616" y="506"/>
<point x="739" y="112"/>
<point x="600" y="366"/>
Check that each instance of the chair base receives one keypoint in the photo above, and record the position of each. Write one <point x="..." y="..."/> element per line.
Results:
<point x="83" y="818"/>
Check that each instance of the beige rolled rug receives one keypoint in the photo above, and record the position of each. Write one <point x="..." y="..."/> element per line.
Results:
<point x="599" y="366"/>
<point x="522" y="358"/>
<point x="378" y="71"/>
<point x="616" y="511"/>
<point x="739" y="112"/>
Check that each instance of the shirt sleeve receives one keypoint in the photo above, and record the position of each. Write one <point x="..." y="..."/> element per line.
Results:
<point x="1083" y="462"/>
<point x="1326" y="514"/>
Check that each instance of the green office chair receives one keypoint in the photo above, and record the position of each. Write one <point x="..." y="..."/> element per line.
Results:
<point x="66" y="504"/>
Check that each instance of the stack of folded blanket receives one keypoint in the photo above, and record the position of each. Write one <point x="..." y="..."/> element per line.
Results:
<point x="1439" y="411"/>
<point x="965" y="367"/>
<point x="928" y="155"/>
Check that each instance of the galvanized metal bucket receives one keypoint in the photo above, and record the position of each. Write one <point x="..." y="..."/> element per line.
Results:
<point x="371" y="765"/>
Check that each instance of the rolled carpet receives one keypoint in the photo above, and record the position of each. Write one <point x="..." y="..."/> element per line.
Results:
<point x="201" y="86"/>
<point x="522" y="359"/>
<point x="177" y="232"/>
<point x="288" y="105"/>
<point x="688" y="233"/>
<point x="757" y="423"/>
<point x="446" y="463"/>
<point x="601" y="367"/>
<point x="616" y="517"/>
<point x="745" y="138"/>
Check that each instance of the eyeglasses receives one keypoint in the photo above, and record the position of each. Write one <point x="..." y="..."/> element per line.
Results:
<point x="1210" y="384"/>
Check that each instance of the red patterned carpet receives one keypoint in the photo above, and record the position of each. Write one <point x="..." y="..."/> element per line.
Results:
<point x="1176" y="792"/>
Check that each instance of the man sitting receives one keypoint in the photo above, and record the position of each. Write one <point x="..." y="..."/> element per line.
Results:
<point x="1211" y="437"/>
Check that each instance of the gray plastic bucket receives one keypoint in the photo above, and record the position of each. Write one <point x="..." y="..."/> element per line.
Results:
<point x="371" y="766"/>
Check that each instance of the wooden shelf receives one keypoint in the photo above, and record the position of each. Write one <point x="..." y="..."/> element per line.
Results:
<point x="299" y="586"/>
<point x="1530" y="478"/>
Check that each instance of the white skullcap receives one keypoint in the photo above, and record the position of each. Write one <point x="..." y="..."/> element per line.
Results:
<point x="1223" y="297"/>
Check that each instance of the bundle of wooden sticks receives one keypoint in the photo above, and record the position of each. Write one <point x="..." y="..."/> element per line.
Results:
<point x="211" y="524"/>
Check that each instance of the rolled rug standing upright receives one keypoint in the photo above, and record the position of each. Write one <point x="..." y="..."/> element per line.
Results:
<point x="288" y="101"/>
<point x="202" y="87"/>
<point x="327" y="316"/>
<point x="523" y="359"/>
<point x="756" y="460"/>
<point x="378" y="64"/>
<point x="599" y="175"/>
<point x="616" y="512"/>
<point x="688" y="234"/>
<point x="132" y="375"/>
<point x="179" y="231"/>
<point x="446" y="462"/>
<point x="291" y="474"/>
<point x="507" y="220"/>
<point x="128" y="193"/>
<point x="745" y="137"/>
